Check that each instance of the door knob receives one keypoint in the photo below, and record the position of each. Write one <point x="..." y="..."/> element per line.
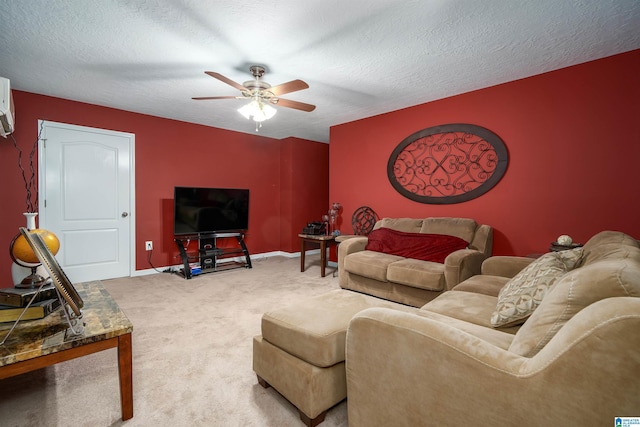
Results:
<point x="125" y="214"/>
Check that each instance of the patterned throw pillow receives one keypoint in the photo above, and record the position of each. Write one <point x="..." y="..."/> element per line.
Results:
<point x="521" y="295"/>
<point x="570" y="258"/>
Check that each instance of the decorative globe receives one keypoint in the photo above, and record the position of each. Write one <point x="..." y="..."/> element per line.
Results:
<point x="564" y="240"/>
<point x="20" y="249"/>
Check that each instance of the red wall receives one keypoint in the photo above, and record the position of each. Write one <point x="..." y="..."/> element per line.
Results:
<point x="304" y="174"/>
<point x="573" y="145"/>
<point x="170" y="153"/>
<point x="574" y="153"/>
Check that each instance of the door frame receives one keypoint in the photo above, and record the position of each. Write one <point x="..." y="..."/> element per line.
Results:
<point x="42" y="190"/>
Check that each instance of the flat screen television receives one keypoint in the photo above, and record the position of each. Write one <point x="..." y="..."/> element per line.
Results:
<point x="199" y="210"/>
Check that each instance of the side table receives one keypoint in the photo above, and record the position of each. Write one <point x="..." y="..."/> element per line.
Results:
<point x="323" y="241"/>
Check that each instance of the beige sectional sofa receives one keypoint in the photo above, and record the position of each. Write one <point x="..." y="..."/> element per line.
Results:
<point x="413" y="281"/>
<point x="566" y="351"/>
<point x="574" y="361"/>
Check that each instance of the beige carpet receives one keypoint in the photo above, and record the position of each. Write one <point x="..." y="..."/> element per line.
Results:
<point x="192" y="354"/>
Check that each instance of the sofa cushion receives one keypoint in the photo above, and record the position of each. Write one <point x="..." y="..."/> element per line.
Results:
<point x="574" y="291"/>
<point x="426" y="247"/>
<point x="524" y="292"/>
<point x="498" y="337"/>
<point x="468" y="306"/>
<point x="464" y="228"/>
<point x="408" y="225"/>
<point x="370" y="264"/>
<point x="417" y="273"/>
<point x="483" y="284"/>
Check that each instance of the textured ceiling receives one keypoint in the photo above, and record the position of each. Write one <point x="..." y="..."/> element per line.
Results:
<point x="360" y="58"/>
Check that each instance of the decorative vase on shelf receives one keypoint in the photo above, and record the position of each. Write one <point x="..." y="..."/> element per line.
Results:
<point x="31" y="220"/>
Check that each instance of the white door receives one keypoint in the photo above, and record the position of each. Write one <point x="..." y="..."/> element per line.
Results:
<point x="86" y="198"/>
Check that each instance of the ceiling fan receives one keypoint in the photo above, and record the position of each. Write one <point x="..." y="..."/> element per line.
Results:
<point x="261" y="94"/>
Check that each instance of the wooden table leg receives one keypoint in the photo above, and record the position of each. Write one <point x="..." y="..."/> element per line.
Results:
<point x="323" y="256"/>
<point x="302" y="246"/>
<point x="125" y="371"/>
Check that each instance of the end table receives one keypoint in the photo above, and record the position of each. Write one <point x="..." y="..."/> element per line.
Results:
<point x="323" y="241"/>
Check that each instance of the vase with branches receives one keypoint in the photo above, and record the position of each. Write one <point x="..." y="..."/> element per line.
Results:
<point x="30" y="184"/>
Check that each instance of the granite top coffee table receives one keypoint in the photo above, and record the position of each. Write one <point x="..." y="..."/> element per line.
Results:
<point x="35" y="344"/>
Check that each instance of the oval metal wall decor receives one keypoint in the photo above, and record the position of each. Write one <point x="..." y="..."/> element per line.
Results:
<point x="447" y="164"/>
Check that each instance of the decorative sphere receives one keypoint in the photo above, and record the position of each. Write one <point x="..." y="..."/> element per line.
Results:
<point x="21" y="250"/>
<point x="564" y="240"/>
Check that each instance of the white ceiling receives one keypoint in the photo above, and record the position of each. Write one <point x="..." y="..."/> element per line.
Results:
<point x="359" y="57"/>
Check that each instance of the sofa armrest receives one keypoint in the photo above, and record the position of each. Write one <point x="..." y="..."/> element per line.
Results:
<point x="505" y="266"/>
<point x="462" y="264"/>
<point x="404" y="370"/>
<point x="351" y="245"/>
<point x="346" y="247"/>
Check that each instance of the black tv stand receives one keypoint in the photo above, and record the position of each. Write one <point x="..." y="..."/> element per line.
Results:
<point x="209" y="254"/>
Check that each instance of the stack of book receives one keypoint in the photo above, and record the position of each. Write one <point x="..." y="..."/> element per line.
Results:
<point x="14" y="300"/>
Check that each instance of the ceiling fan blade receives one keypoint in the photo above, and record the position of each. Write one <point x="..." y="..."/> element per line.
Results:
<point x="293" y="104"/>
<point x="226" y="80"/>
<point x="202" y="98"/>
<point x="288" y="87"/>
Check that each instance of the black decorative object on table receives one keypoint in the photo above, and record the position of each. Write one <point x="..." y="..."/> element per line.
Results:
<point x="316" y="228"/>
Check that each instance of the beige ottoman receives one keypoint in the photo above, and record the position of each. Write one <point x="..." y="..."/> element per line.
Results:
<point x="301" y="350"/>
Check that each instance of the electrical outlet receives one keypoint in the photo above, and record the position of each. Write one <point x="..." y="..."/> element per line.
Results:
<point x="148" y="245"/>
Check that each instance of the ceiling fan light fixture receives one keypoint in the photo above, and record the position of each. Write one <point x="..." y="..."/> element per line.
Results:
<point x="260" y="94"/>
<point x="257" y="110"/>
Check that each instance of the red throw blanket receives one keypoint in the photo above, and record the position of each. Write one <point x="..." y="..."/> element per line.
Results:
<point x="426" y="247"/>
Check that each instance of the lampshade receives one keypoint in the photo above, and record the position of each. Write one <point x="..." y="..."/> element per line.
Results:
<point x="257" y="110"/>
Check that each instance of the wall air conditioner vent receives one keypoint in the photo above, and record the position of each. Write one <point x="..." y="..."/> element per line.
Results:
<point x="7" y="112"/>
